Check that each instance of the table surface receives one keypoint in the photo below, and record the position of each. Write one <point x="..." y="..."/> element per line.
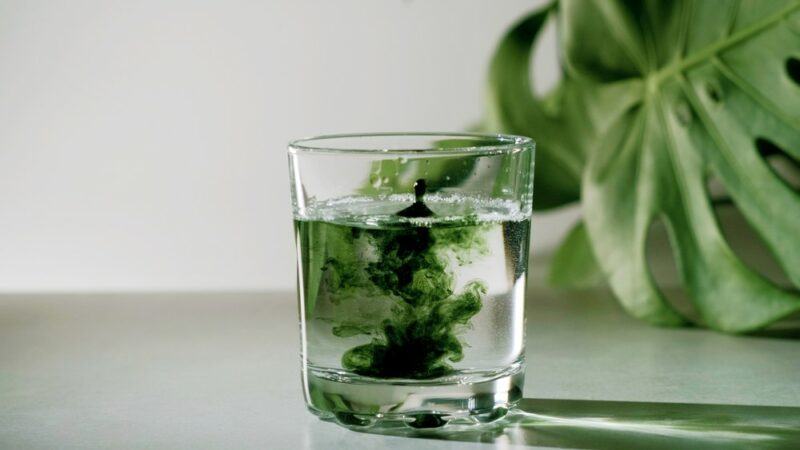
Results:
<point x="221" y="370"/>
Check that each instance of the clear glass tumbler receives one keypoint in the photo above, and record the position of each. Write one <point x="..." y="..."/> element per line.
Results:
<point x="412" y="258"/>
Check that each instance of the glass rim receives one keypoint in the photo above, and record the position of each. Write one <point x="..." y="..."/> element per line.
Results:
<point x="505" y="143"/>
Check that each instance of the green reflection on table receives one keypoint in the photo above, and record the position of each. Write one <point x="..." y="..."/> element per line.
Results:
<point x="629" y="425"/>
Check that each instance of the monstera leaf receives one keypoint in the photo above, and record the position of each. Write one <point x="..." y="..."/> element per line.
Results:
<point x="657" y="98"/>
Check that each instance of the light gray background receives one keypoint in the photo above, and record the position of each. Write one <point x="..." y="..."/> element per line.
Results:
<point x="142" y="144"/>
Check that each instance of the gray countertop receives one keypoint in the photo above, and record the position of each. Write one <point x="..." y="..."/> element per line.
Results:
<point x="221" y="370"/>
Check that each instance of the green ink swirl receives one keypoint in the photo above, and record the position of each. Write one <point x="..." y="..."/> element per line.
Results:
<point x="410" y="265"/>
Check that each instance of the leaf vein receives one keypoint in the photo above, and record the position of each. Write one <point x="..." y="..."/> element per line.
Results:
<point x="710" y="50"/>
<point x="748" y="89"/>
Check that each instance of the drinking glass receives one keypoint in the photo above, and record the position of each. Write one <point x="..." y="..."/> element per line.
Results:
<point x="412" y="252"/>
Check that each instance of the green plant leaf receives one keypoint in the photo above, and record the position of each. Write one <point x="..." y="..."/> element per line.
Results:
<point x="670" y="94"/>
<point x="512" y="108"/>
<point x="573" y="265"/>
<point x="396" y="175"/>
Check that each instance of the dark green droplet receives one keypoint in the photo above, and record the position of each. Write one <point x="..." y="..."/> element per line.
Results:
<point x="419" y="208"/>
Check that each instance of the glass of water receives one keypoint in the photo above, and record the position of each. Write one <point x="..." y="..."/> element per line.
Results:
<point x="412" y="258"/>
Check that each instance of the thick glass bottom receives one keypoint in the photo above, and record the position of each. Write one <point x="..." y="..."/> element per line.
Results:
<point x="463" y="398"/>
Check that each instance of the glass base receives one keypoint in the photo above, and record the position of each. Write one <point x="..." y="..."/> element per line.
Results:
<point x="464" y="398"/>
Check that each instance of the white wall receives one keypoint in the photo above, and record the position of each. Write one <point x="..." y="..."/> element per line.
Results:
<point x="142" y="143"/>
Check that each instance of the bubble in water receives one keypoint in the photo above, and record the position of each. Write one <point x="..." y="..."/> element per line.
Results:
<point x="447" y="177"/>
<point x="375" y="180"/>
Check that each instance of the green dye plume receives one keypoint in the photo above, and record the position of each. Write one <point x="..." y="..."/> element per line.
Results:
<point x="410" y="266"/>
